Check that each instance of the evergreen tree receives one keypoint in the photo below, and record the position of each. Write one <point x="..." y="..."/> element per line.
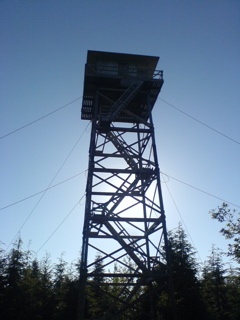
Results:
<point x="96" y="298"/>
<point x="60" y="288"/>
<point x="121" y="291"/>
<point x="70" y="298"/>
<point x="188" y="300"/>
<point x="46" y="288"/>
<point x="233" y="295"/>
<point x="13" y="307"/>
<point x="213" y="287"/>
<point x="3" y="283"/>
<point x="33" y="290"/>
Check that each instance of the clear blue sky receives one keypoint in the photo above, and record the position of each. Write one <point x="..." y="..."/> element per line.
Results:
<point x="43" y="51"/>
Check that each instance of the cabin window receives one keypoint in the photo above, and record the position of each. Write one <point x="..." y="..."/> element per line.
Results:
<point x="132" y="70"/>
<point x="128" y="70"/>
<point x="108" y="68"/>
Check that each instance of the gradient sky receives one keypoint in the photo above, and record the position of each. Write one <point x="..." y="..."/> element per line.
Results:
<point x="43" y="51"/>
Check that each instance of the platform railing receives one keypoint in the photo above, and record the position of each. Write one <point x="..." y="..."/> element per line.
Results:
<point x="116" y="72"/>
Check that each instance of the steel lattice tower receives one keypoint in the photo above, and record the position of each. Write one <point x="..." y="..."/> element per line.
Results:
<point x="125" y="249"/>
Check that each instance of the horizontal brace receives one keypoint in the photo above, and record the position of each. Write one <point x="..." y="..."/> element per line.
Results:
<point x="111" y="155"/>
<point x="110" y="284"/>
<point x="133" y="193"/>
<point x="100" y="218"/>
<point x="122" y="129"/>
<point x="116" y="275"/>
<point x="115" y="170"/>
<point x="112" y="237"/>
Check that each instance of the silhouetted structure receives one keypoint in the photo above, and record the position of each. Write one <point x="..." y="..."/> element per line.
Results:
<point x="124" y="224"/>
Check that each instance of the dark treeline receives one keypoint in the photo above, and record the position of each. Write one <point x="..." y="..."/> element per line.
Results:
<point x="41" y="290"/>
<point x="32" y="289"/>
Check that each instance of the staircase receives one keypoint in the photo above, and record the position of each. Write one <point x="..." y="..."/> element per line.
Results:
<point x="107" y="116"/>
<point x="119" y="145"/>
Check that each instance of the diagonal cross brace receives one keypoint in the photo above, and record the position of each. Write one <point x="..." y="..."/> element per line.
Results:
<point x="125" y="246"/>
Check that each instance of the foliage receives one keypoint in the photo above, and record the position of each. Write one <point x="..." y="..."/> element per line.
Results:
<point x="30" y="289"/>
<point x="41" y="290"/>
<point x="231" y="230"/>
<point x="213" y="286"/>
<point x="233" y="295"/>
<point x="220" y="289"/>
<point x="188" y="300"/>
<point x="96" y="299"/>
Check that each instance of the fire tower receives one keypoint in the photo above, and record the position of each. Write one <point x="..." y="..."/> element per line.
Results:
<point x="125" y="250"/>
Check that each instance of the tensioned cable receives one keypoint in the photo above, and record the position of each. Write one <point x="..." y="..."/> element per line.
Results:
<point x="34" y="121"/>
<point x="200" y="190"/>
<point x="76" y="175"/>
<point x="25" y="221"/>
<point x="61" y="223"/>
<point x="39" y="192"/>
<point x="174" y="202"/>
<point x="199" y="121"/>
